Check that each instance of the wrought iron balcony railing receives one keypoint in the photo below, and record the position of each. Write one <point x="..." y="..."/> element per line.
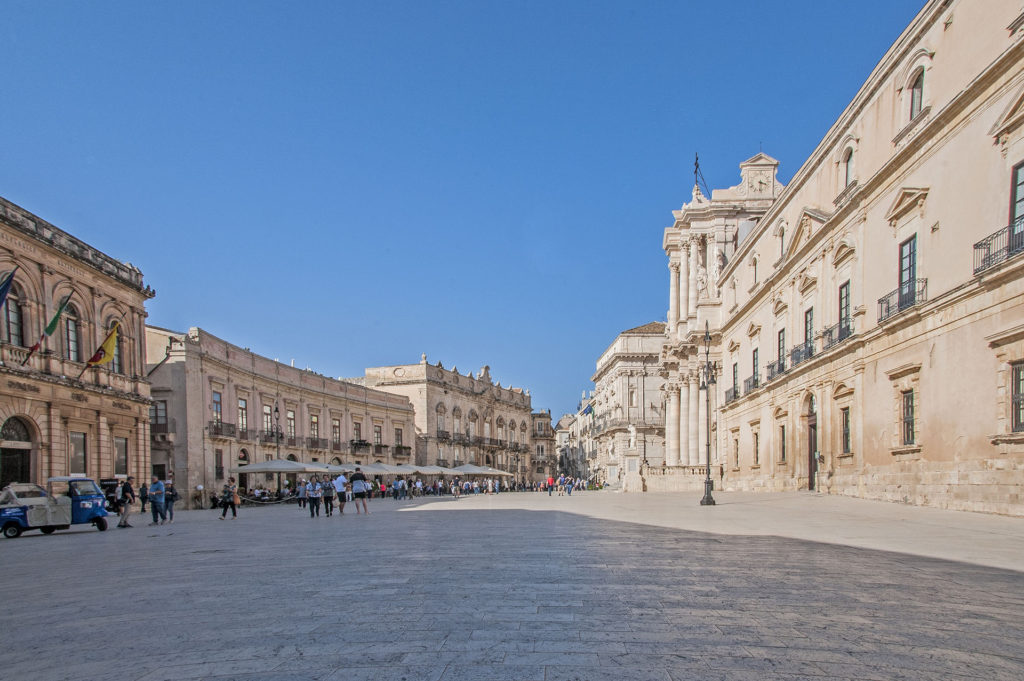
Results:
<point x="221" y="429"/>
<point x="460" y="438"/>
<point x="443" y="435"/>
<point x="441" y="462"/>
<point x="999" y="247"/>
<point x="246" y="434"/>
<point x="801" y="353"/>
<point x="776" y="368"/>
<point x="730" y="395"/>
<point x="316" y="443"/>
<point x="337" y="446"/>
<point x="359" y="444"/>
<point x="402" y="450"/>
<point x="266" y="437"/>
<point x="751" y="384"/>
<point x="908" y="295"/>
<point x="834" y="335"/>
<point x="380" y="449"/>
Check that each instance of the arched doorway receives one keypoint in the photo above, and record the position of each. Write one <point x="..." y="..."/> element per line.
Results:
<point x="243" y="478"/>
<point x="15" y="452"/>
<point x="812" y="443"/>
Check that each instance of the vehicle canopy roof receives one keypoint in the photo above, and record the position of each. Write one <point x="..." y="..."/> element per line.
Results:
<point x="22" y="493"/>
<point x="67" y="478"/>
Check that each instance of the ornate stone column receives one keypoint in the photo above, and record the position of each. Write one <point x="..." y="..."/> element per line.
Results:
<point x="673" y="297"/>
<point x="672" y="424"/>
<point x="691" y="305"/>
<point x="684" y="421"/>
<point x="684" y="282"/>
<point x="694" y="434"/>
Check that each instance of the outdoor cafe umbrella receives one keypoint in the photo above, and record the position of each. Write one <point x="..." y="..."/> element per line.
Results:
<point x="280" y="466"/>
<point x="470" y="469"/>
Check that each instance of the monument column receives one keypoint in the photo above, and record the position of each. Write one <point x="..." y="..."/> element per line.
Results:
<point x="684" y="421"/>
<point x="673" y="298"/>
<point x="672" y="425"/>
<point x="694" y="434"/>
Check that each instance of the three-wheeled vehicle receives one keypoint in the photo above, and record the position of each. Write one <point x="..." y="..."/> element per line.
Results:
<point x="66" y="501"/>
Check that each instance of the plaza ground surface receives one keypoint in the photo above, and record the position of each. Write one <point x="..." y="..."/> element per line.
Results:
<point x="525" y="586"/>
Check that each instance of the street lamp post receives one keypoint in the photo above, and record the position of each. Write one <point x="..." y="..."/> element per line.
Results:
<point x="277" y="441"/>
<point x="707" y="380"/>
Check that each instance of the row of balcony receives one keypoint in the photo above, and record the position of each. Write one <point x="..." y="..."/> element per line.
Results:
<point x="910" y="293"/>
<point x="999" y="247"/>
<point x="464" y="439"/>
<point x="222" y="430"/>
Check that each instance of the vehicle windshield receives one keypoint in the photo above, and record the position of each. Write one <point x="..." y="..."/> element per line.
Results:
<point x="83" y="487"/>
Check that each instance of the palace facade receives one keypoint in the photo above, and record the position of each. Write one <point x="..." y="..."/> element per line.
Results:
<point x="462" y="418"/>
<point x="868" y="321"/>
<point x="60" y="417"/>
<point x="628" y="405"/>
<point x="217" y="406"/>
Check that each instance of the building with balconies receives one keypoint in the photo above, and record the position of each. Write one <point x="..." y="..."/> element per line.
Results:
<point x="884" y="286"/>
<point x="629" y="407"/>
<point x="59" y="416"/>
<point x="462" y="418"/>
<point x="217" y="405"/>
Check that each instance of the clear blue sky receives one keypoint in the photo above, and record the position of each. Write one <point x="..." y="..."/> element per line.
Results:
<point x="351" y="184"/>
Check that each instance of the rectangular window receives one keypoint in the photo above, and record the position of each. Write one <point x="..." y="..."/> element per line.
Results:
<point x="1017" y="195"/>
<point x="71" y="333"/>
<point x="268" y="419"/>
<point x="398" y="437"/>
<point x="844" y="307"/>
<point x="357" y="430"/>
<point x="336" y="431"/>
<point x="757" y="449"/>
<point x="735" y="379"/>
<point x="158" y="413"/>
<point x="632" y="397"/>
<point x="378" y="437"/>
<point x="12" y="314"/>
<point x="908" y="272"/>
<point x="753" y="357"/>
<point x="120" y="456"/>
<point x="218" y="410"/>
<point x="243" y="414"/>
<point x="908" y="417"/>
<point x="736" y="453"/>
<point x="78" y="454"/>
<point x="218" y="464"/>
<point x="845" y="413"/>
<point x="290" y="425"/>
<point x="1017" y="392"/>
<point x="782" y="444"/>
<point x="314" y="426"/>
<point x="809" y="325"/>
<point x="782" y="344"/>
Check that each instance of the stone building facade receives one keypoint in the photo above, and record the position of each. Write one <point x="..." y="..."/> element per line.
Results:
<point x="629" y="420"/>
<point x="545" y="453"/>
<point x="58" y="417"/>
<point x="871" y="329"/>
<point x="217" y="405"/>
<point x="462" y="418"/>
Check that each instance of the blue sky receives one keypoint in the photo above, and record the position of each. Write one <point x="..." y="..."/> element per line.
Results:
<point x="351" y="184"/>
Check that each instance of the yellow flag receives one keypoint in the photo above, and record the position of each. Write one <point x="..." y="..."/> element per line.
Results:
<point x="105" y="353"/>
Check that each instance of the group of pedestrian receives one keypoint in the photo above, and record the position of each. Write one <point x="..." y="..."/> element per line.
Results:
<point x="316" y="491"/>
<point x="565" y="484"/>
<point x="158" y="494"/>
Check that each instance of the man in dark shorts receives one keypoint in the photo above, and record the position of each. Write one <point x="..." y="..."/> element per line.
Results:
<point x="359" y="490"/>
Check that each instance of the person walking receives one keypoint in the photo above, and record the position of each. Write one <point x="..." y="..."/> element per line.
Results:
<point x="156" y="502"/>
<point x="340" y="486"/>
<point x="314" y="493"/>
<point x="143" y="494"/>
<point x="303" y="493"/>
<point x="170" y="496"/>
<point x="127" y="499"/>
<point x="328" y="486"/>
<point x="360" y="488"/>
<point x="229" y="499"/>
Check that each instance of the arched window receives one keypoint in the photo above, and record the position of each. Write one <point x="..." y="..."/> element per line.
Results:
<point x="12" y="317"/>
<point x="117" y="364"/>
<point x="916" y="94"/>
<point x="72" y="328"/>
<point x="847" y="168"/>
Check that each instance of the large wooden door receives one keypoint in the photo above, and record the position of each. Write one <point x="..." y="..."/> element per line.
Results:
<point x="812" y="450"/>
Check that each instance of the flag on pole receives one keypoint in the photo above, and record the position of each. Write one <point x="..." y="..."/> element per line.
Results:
<point x="105" y="352"/>
<point x="5" y="286"/>
<point x="49" y="330"/>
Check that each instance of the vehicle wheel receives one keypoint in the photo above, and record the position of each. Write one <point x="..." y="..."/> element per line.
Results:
<point x="101" y="524"/>
<point x="12" y="530"/>
<point x="47" y="530"/>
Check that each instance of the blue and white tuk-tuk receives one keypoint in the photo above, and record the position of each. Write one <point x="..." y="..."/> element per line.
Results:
<point x="65" y="502"/>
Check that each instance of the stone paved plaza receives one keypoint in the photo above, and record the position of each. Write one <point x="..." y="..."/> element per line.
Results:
<point x="525" y="586"/>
